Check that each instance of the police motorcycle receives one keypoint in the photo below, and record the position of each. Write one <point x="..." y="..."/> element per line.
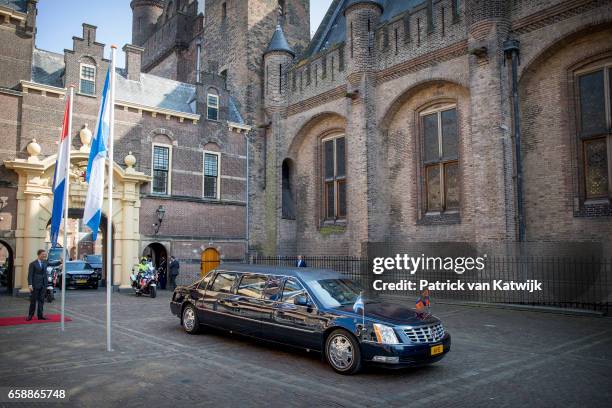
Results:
<point x="144" y="279"/>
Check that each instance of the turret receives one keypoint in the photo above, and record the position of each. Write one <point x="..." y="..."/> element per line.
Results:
<point x="145" y="14"/>
<point x="277" y="60"/>
<point x="362" y="17"/>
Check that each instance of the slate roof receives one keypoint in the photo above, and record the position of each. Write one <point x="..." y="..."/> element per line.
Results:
<point x="279" y="42"/>
<point x="155" y="91"/>
<point x="332" y="30"/>
<point x="48" y="68"/>
<point x="17" y="5"/>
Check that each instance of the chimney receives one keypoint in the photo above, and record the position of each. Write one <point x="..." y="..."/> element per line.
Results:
<point x="89" y="34"/>
<point x="133" y="61"/>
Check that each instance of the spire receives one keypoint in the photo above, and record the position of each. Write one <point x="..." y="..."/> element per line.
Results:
<point x="279" y="42"/>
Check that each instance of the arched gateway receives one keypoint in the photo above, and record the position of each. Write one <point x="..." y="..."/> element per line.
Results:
<point x="35" y="201"/>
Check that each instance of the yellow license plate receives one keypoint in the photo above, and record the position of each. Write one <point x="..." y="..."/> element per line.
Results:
<point x="435" y="350"/>
<point x="81" y="281"/>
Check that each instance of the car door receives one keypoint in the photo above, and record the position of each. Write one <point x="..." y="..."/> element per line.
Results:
<point x="216" y="304"/>
<point x="297" y="325"/>
<point x="197" y="293"/>
<point x="247" y="303"/>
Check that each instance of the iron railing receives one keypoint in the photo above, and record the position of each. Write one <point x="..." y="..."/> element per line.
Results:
<point x="577" y="283"/>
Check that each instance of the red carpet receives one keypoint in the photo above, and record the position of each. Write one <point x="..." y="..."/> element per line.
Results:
<point x="14" y="321"/>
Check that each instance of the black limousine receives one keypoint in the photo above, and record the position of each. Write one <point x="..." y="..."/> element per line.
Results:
<point x="311" y="309"/>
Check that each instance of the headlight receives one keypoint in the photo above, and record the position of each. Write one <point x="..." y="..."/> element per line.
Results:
<point x="385" y="334"/>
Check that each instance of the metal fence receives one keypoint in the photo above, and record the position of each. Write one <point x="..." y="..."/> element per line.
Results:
<point x="577" y="283"/>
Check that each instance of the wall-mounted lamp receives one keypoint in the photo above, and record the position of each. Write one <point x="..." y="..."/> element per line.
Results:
<point x="161" y="211"/>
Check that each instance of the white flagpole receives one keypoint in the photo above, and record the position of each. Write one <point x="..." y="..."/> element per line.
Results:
<point x="109" y="218"/>
<point x="66" y="188"/>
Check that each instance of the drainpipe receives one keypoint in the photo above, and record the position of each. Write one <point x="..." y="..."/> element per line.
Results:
<point x="511" y="50"/>
<point x="248" y="148"/>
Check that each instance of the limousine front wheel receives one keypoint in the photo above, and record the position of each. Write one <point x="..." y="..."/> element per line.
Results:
<point x="190" y="320"/>
<point x="342" y="352"/>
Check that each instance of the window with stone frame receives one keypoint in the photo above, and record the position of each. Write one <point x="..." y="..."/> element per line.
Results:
<point x="211" y="175"/>
<point x="333" y="153"/>
<point x="212" y="106"/>
<point x="161" y="164"/>
<point x="87" y="79"/>
<point x="440" y="160"/>
<point x="594" y="87"/>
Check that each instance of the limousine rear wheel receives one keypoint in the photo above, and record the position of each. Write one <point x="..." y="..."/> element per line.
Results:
<point x="342" y="352"/>
<point x="190" y="320"/>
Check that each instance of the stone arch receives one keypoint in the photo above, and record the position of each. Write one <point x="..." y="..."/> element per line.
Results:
<point x="34" y="205"/>
<point x="549" y="110"/>
<point x="163" y="132"/>
<point x="548" y="49"/>
<point x="87" y="59"/>
<point x="9" y="265"/>
<point x="337" y="122"/>
<point x="407" y="94"/>
<point x="403" y="141"/>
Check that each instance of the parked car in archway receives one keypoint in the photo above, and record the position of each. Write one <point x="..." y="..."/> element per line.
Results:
<point x="79" y="274"/>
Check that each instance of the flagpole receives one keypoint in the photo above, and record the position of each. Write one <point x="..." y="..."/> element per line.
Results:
<point x="66" y="188"/>
<point x="109" y="222"/>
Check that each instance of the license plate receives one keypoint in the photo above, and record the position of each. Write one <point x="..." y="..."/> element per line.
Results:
<point x="81" y="281"/>
<point x="435" y="350"/>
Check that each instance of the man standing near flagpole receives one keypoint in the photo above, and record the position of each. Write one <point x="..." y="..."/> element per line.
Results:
<point x="61" y="185"/>
<point x="101" y="144"/>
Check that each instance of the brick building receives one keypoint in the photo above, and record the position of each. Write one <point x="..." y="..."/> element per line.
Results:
<point x="398" y="124"/>
<point x="398" y="121"/>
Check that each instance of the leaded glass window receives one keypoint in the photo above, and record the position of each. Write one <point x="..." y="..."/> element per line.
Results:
<point x="440" y="159"/>
<point x="595" y="131"/>
<point x="334" y="178"/>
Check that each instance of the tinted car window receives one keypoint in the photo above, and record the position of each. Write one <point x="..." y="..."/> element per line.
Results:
<point x="204" y="282"/>
<point x="252" y="285"/>
<point x="292" y="289"/>
<point x="223" y="282"/>
<point x="272" y="291"/>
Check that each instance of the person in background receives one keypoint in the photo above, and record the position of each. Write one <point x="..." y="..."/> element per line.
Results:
<point x="300" y="263"/>
<point x="37" y="283"/>
<point x="174" y="271"/>
<point x="161" y="270"/>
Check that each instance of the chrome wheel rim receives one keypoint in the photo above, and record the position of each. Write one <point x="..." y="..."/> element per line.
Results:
<point x="188" y="319"/>
<point x="341" y="352"/>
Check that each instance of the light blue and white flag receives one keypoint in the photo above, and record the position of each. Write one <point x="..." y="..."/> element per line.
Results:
<point x="358" y="304"/>
<point x="95" y="166"/>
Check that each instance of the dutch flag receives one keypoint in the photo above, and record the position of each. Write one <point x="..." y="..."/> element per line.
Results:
<point x="95" y="166"/>
<point x="60" y="178"/>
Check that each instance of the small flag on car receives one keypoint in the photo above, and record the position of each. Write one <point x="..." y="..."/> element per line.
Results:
<point x="422" y="301"/>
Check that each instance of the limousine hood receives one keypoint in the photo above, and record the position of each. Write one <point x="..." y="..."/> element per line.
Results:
<point x="392" y="313"/>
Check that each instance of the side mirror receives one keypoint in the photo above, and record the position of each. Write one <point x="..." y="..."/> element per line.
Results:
<point x="301" y="301"/>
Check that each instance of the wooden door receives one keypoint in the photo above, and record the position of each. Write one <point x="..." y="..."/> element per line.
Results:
<point x="210" y="260"/>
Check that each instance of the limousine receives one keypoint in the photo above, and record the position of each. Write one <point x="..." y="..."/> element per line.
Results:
<point x="311" y="309"/>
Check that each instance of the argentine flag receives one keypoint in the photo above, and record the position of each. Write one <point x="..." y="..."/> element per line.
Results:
<point x="60" y="180"/>
<point x="95" y="166"/>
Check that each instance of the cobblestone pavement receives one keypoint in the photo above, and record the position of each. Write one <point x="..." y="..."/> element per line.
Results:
<point x="500" y="358"/>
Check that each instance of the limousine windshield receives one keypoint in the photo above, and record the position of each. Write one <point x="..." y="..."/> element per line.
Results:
<point x="335" y="292"/>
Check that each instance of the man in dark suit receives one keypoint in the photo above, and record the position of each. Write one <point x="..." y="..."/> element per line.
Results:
<point x="37" y="283"/>
<point x="174" y="271"/>
<point x="300" y="263"/>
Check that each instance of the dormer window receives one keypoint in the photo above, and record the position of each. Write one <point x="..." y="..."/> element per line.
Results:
<point x="212" y="107"/>
<point x="87" y="83"/>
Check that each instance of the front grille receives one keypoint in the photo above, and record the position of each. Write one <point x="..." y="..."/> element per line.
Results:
<point x="425" y="334"/>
